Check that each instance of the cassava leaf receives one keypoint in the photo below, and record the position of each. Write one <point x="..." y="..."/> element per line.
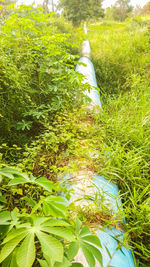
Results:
<point x="51" y="246"/>
<point x="92" y="240"/>
<point x="10" y="246"/>
<point x="14" y="233"/>
<point x="72" y="250"/>
<point x="26" y="252"/>
<point x="96" y="253"/>
<point x="5" y="217"/>
<point x="17" y="180"/>
<point x="56" y="222"/>
<point x="85" y="231"/>
<point x="45" y="183"/>
<point x="88" y="255"/>
<point x="62" y="232"/>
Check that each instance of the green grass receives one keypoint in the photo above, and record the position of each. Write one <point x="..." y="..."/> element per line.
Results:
<point x="121" y="59"/>
<point x="119" y="50"/>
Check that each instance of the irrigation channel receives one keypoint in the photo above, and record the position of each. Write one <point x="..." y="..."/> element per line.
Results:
<point x="88" y="183"/>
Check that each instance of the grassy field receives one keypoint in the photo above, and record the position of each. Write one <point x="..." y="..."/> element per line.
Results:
<point x="120" y="53"/>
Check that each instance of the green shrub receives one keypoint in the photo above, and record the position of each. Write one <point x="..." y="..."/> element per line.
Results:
<point x="37" y="77"/>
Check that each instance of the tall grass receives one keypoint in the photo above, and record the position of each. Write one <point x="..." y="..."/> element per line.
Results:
<point x="119" y="50"/>
<point x="120" y="55"/>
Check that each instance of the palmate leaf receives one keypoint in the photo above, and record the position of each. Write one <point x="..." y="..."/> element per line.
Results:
<point x="11" y="173"/>
<point x="72" y="250"/>
<point x="45" y="183"/>
<point x="56" y="222"/>
<point x="89" y="244"/>
<point x="96" y="253"/>
<point x="94" y="240"/>
<point x="26" y="252"/>
<point x="62" y="232"/>
<point x="85" y="231"/>
<point x="51" y="247"/>
<point x="55" y="206"/>
<point x="10" y="246"/>
<point x="17" y="180"/>
<point x="14" y="233"/>
<point x="5" y="217"/>
<point x="10" y="261"/>
<point x="88" y="255"/>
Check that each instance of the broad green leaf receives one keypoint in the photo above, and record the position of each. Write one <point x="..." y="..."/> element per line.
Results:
<point x="11" y="172"/>
<point x="92" y="240"/>
<point x="85" y="231"/>
<point x="51" y="246"/>
<point x="14" y="233"/>
<point x="96" y="253"/>
<point x="17" y="180"/>
<point x="37" y="221"/>
<point x="45" y="183"/>
<point x="10" y="246"/>
<point x="5" y="217"/>
<point x="26" y="252"/>
<point x="13" y="262"/>
<point x="49" y="260"/>
<point x="10" y="261"/>
<point x="62" y="232"/>
<point x="72" y="250"/>
<point x="54" y="206"/>
<point x="89" y="256"/>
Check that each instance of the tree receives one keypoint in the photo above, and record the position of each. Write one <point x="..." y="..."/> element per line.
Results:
<point x="119" y="11"/>
<point x="80" y="10"/>
<point x="123" y="8"/>
<point x="146" y="9"/>
<point x="48" y="5"/>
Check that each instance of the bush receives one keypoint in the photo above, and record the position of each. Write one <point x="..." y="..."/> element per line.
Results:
<point x="37" y="77"/>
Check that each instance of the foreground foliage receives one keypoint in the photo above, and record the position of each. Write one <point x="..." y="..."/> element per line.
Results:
<point x="36" y="226"/>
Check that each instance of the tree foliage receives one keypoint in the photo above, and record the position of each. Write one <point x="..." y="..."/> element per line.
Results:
<point x="81" y="10"/>
<point x="119" y="11"/>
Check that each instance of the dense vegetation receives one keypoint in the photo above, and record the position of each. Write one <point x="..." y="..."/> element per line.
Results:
<point x="120" y="53"/>
<point x="46" y="132"/>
